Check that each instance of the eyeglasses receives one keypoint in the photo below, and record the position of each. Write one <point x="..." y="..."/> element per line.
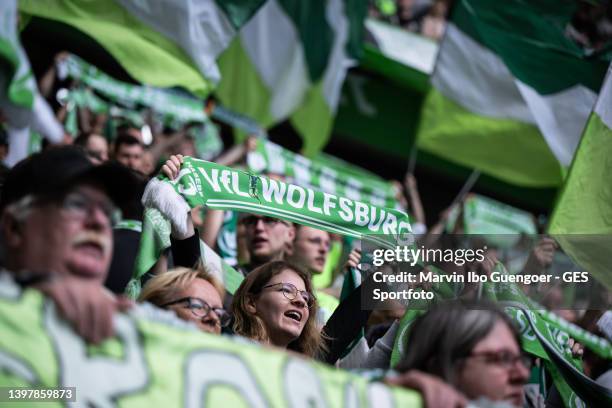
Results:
<point x="504" y="358"/>
<point x="290" y="292"/>
<point x="75" y="204"/>
<point x="201" y="309"/>
<point x="80" y="205"/>
<point x="252" y="220"/>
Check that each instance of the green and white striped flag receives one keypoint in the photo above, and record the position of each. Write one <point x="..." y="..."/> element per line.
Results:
<point x="582" y="219"/>
<point x="289" y="62"/>
<point x="341" y="180"/>
<point x="511" y="92"/>
<point x="161" y="43"/>
<point x="20" y="101"/>
<point x="17" y="85"/>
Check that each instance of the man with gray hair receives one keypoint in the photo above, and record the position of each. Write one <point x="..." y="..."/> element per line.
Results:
<point x="57" y="213"/>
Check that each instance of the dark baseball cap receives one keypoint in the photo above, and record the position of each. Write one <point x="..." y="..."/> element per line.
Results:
<point x="55" y="171"/>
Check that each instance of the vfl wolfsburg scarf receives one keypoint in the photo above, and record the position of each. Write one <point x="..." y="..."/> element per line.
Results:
<point x="220" y="187"/>
<point x="542" y="334"/>
<point x="203" y="183"/>
<point x="342" y="180"/>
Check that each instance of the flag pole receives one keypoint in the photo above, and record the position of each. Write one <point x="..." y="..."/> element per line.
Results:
<point x="467" y="186"/>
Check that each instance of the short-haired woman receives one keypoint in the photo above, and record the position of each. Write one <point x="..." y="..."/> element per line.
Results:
<point x="193" y="294"/>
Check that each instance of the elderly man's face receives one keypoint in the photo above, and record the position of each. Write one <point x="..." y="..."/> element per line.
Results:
<point x="71" y="236"/>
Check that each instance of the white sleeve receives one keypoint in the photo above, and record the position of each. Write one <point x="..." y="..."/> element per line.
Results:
<point x="19" y="140"/>
<point x="357" y="357"/>
<point x="380" y="355"/>
<point x="44" y="121"/>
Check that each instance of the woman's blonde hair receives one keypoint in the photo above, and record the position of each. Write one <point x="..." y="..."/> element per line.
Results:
<point x="249" y="325"/>
<point x="164" y="288"/>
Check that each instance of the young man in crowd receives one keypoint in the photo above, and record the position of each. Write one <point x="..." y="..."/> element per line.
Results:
<point x="310" y="248"/>
<point x="129" y="151"/>
<point x="267" y="239"/>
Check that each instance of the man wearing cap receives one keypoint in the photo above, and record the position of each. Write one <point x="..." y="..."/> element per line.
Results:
<point x="57" y="214"/>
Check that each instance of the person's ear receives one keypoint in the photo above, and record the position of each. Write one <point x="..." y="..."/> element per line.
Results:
<point x="250" y="305"/>
<point x="291" y="234"/>
<point x="12" y="230"/>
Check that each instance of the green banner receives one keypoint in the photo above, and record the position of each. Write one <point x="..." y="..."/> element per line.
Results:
<point x="182" y="108"/>
<point x="157" y="360"/>
<point x="340" y="179"/>
<point x="500" y="224"/>
<point x="482" y="215"/>
<point x="575" y="387"/>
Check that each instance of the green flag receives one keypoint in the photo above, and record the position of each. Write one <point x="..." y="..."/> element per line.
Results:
<point x="496" y="105"/>
<point x="162" y="43"/>
<point x="582" y="219"/>
<point x="20" y="101"/>
<point x="289" y="62"/>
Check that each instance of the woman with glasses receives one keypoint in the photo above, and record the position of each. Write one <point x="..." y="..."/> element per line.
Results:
<point x="472" y="346"/>
<point x="193" y="294"/>
<point x="275" y="305"/>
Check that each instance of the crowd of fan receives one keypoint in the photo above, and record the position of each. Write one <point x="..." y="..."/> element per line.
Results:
<point x="59" y="208"/>
<point x="590" y="26"/>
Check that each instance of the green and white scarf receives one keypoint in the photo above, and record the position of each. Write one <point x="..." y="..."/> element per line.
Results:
<point x="341" y="180"/>
<point x="183" y="108"/>
<point x="203" y="183"/>
<point x="223" y="188"/>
